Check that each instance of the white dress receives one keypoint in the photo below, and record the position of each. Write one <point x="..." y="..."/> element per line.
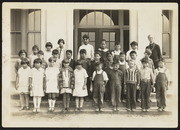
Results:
<point x="24" y="75"/>
<point x="37" y="82"/>
<point x="32" y="57"/>
<point x="47" y="55"/>
<point x="51" y="74"/>
<point x="80" y="76"/>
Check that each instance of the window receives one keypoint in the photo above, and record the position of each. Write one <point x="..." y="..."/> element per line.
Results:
<point x="98" y="17"/>
<point x="25" y="29"/>
<point x="166" y="33"/>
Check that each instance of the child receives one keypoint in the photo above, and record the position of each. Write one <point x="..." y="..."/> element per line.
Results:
<point x="147" y="54"/>
<point x="86" y="64"/>
<point x="88" y="47"/>
<point x="22" y="54"/>
<point x="69" y="57"/>
<point x="138" y="64"/>
<point x="33" y="56"/>
<point x="134" y="47"/>
<point x="66" y="83"/>
<point x="123" y="65"/>
<point x="80" y="88"/>
<point x="116" y="51"/>
<point x="103" y="50"/>
<point x="48" y="52"/>
<point x="52" y="88"/>
<point x="108" y="68"/>
<point x="37" y="84"/>
<point x="22" y="83"/>
<point x="97" y="58"/>
<point x="55" y="54"/>
<point x="116" y="80"/>
<point x="99" y="82"/>
<point x="161" y="84"/>
<point x="145" y="84"/>
<point x="131" y="83"/>
<point x="40" y="55"/>
<point x="61" y="50"/>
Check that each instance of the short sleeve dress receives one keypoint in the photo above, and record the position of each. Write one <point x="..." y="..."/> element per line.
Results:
<point x="51" y="74"/>
<point x="24" y="75"/>
<point x="80" y="76"/>
<point x="37" y="82"/>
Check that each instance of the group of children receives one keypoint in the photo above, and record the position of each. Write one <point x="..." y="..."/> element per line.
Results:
<point x="110" y="75"/>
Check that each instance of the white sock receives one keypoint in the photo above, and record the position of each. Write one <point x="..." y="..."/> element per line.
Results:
<point x="53" y="103"/>
<point x="49" y="100"/>
<point x="39" y="102"/>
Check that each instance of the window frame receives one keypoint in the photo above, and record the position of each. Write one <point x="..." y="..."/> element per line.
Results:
<point x="168" y="33"/>
<point x="25" y="31"/>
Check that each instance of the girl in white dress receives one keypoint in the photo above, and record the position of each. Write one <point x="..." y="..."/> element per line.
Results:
<point x="37" y="84"/>
<point x="52" y="89"/>
<point x="22" y="83"/>
<point x="80" y="89"/>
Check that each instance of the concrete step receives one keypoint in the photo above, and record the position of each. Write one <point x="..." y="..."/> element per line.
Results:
<point x="87" y="105"/>
<point x="106" y="110"/>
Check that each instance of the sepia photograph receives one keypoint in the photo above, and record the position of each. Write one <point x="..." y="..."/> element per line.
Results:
<point x="85" y="64"/>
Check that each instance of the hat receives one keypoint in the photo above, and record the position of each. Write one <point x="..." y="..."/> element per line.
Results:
<point x="65" y="61"/>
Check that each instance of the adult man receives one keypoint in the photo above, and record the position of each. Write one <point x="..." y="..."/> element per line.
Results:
<point x="89" y="48"/>
<point x="156" y="52"/>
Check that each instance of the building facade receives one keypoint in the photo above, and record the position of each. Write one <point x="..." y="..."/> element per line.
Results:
<point x="27" y="24"/>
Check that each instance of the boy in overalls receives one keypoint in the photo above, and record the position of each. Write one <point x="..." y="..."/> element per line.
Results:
<point x="161" y="85"/>
<point x="99" y="80"/>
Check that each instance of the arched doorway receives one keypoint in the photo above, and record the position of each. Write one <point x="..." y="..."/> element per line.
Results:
<point x="111" y="25"/>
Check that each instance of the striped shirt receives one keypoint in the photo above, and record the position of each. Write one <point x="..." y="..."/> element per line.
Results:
<point x="132" y="76"/>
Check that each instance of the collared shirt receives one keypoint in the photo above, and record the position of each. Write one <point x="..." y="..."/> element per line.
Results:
<point x="105" y="77"/>
<point x="138" y="64"/>
<point x="116" y="52"/>
<point x="146" y="73"/>
<point x="104" y="50"/>
<point x="162" y="70"/>
<point x="124" y="63"/>
<point x="89" y="51"/>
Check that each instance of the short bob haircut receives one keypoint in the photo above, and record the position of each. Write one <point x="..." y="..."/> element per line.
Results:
<point x="83" y="51"/>
<point x="35" y="47"/>
<point x="40" y="52"/>
<point x="134" y="43"/>
<point x="60" y="40"/>
<point x="22" y="51"/>
<point x="37" y="60"/>
<point x="51" y="59"/>
<point x="49" y="44"/>
<point x="117" y="43"/>
<point x="25" y="61"/>
<point x="97" y="52"/>
<point x="55" y="52"/>
<point x="122" y="53"/>
<point x="133" y="52"/>
<point x="144" y="60"/>
<point x="69" y="51"/>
